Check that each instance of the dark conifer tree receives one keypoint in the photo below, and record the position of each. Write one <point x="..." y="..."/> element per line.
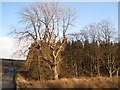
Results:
<point x="86" y="57"/>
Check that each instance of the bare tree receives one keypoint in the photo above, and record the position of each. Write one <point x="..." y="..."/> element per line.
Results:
<point x="107" y="35"/>
<point x="43" y="23"/>
<point x="99" y="32"/>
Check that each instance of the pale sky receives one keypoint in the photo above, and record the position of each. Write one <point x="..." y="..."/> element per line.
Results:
<point x="88" y="12"/>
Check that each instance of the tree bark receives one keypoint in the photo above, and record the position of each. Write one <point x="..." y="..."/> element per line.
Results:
<point x="76" y="70"/>
<point x="117" y="73"/>
<point x="39" y="69"/>
<point x="98" y="71"/>
<point x="110" y="73"/>
<point x="98" y="68"/>
<point x="55" y="72"/>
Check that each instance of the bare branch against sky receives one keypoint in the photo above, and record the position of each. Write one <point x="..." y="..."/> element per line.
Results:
<point x="87" y="13"/>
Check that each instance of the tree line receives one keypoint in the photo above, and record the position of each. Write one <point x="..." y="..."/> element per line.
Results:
<point x="84" y="54"/>
<point x="78" y="59"/>
<point x="90" y="59"/>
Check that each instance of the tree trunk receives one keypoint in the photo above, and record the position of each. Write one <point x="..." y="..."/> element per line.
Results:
<point x="91" y="70"/>
<point x="76" y="70"/>
<point x="98" y="70"/>
<point x="110" y="73"/>
<point x="117" y="72"/>
<point x="39" y="69"/>
<point x="55" y="72"/>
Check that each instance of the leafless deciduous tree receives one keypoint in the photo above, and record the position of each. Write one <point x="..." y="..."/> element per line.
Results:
<point x="107" y="34"/>
<point x="46" y="22"/>
<point x="99" y="32"/>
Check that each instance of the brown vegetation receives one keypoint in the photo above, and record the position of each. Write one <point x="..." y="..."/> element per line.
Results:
<point x="82" y="82"/>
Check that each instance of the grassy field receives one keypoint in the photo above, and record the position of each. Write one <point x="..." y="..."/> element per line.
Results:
<point x="82" y="82"/>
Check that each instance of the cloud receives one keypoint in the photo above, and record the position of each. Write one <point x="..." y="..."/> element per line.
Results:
<point x="8" y="47"/>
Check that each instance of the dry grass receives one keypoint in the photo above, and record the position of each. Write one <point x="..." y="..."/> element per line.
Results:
<point x="93" y="82"/>
<point x="22" y="82"/>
